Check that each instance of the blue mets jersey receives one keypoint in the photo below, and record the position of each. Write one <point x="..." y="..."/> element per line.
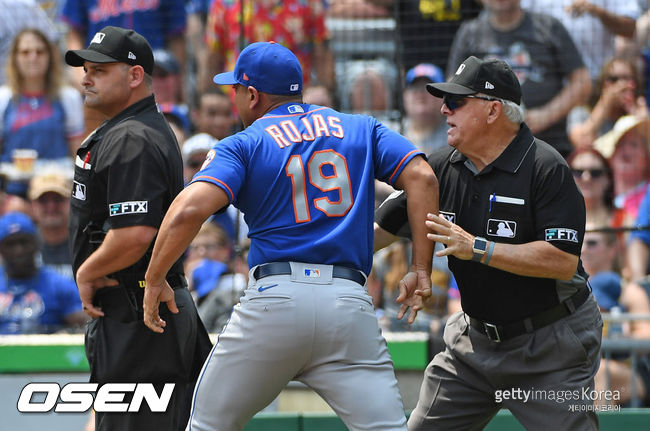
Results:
<point x="303" y="175"/>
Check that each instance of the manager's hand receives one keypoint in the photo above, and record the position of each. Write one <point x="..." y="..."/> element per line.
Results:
<point x="414" y="288"/>
<point x="154" y="294"/>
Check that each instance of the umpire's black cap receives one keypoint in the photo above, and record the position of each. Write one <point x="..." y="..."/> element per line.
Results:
<point x="492" y="77"/>
<point x="113" y="45"/>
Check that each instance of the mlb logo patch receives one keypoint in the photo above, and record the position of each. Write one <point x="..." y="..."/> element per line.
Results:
<point x="312" y="273"/>
<point x="502" y="228"/>
<point x="295" y="109"/>
<point x="98" y="38"/>
<point x="79" y="191"/>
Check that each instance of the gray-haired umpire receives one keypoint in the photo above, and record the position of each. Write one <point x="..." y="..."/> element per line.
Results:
<point x="127" y="173"/>
<point x="512" y="220"/>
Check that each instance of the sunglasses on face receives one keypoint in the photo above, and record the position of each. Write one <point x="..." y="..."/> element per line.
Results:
<point x="593" y="173"/>
<point x="615" y="78"/>
<point x="591" y="243"/>
<point x="454" y="102"/>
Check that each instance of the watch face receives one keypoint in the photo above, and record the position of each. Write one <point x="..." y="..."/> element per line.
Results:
<point x="480" y="244"/>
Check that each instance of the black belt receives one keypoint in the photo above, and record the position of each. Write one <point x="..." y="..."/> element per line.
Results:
<point x="284" y="268"/>
<point x="498" y="333"/>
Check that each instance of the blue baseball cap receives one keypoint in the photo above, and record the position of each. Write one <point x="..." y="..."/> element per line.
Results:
<point x="425" y="70"/>
<point x="269" y="67"/>
<point x="16" y="222"/>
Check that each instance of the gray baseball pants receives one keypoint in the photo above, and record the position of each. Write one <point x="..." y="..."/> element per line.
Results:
<point x="544" y="378"/>
<point x="322" y="332"/>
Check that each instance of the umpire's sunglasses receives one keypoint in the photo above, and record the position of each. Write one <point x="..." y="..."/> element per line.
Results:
<point x="454" y="102"/>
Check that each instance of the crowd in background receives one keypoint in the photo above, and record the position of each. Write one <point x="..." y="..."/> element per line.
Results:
<point x="583" y="66"/>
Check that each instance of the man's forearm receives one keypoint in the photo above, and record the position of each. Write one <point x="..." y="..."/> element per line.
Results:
<point x="617" y="24"/>
<point x="120" y="249"/>
<point x="534" y="259"/>
<point x="181" y="224"/>
<point x="422" y="199"/>
<point x="573" y="94"/>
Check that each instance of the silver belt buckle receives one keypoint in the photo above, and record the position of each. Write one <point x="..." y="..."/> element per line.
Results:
<point x="492" y="332"/>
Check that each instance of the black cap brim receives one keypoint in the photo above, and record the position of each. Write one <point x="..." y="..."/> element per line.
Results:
<point x="77" y="57"/>
<point x="442" y="88"/>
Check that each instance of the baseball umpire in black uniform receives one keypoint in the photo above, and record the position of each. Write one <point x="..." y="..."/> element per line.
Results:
<point x="512" y="220"/>
<point x="127" y="173"/>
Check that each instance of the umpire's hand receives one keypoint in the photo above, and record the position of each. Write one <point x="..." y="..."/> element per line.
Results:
<point x="154" y="294"/>
<point x="87" y="288"/>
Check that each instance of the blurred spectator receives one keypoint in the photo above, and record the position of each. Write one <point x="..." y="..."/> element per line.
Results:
<point x="167" y="82"/>
<point x="639" y="49"/>
<point x="37" y="112"/>
<point x="420" y="22"/>
<point x="368" y="86"/>
<point x="49" y="193"/>
<point x="179" y="120"/>
<point x="10" y="203"/>
<point x="209" y="267"/>
<point x="297" y="24"/>
<point x="161" y="22"/>
<point x="15" y="16"/>
<point x="599" y="255"/>
<point x="627" y="148"/>
<point x="317" y="94"/>
<point x="194" y="151"/>
<point x="356" y="9"/>
<point x="593" y="25"/>
<point x="638" y="249"/>
<point x="424" y="125"/>
<point x="617" y="92"/>
<point x="540" y="51"/>
<point x="32" y="298"/>
<point x="596" y="182"/>
<point x="214" y="114"/>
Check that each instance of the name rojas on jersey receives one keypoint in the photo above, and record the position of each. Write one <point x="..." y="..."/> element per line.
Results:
<point x="286" y="133"/>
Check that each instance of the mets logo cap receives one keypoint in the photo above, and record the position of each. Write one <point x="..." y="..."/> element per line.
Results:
<point x="16" y="222"/>
<point x="114" y="45"/>
<point x="268" y="66"/>
<point x="492" y="77"/>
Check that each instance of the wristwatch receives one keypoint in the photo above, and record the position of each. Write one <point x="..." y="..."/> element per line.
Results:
<point x="479" y="248"/>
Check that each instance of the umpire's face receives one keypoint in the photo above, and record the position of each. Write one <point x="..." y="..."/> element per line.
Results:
<point x="107" y="86"/>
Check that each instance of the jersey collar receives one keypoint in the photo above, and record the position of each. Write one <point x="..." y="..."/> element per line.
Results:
<point x="130" y="111"/>
<point x="512" y="157"/>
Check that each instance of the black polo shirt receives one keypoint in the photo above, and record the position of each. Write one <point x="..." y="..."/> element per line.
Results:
<point x="126" y="174"/>
<point x="527" y="194"/>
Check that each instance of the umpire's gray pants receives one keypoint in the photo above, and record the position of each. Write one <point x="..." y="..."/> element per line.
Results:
<point x="324" y="334"/>
<point x="545" y="378"/>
